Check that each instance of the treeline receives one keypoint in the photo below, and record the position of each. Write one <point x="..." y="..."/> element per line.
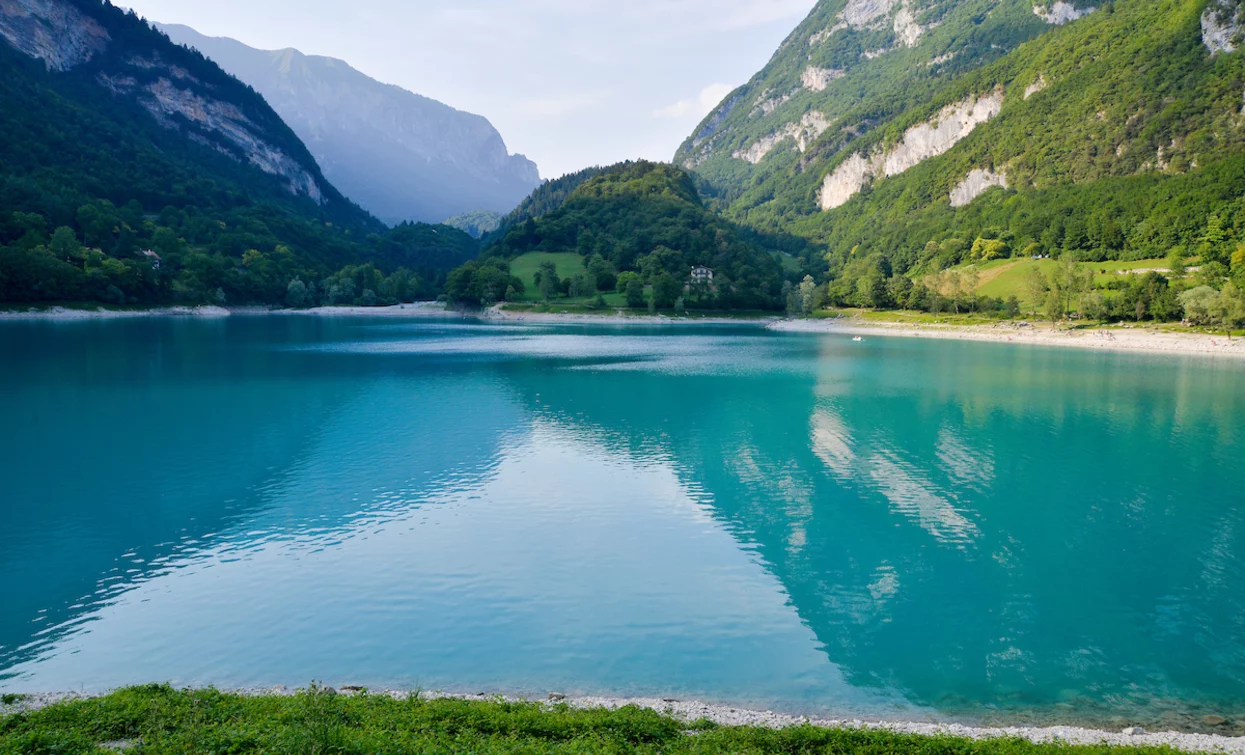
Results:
<point x="123" y="256"/>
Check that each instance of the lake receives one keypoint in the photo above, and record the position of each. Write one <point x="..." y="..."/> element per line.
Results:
<point x="895" y="528"/>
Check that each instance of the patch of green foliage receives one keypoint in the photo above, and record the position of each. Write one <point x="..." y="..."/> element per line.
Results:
<point x="157" y="720"/>
<point x="546" y="198"/>
<point x="642" y="226"/>
<point x="89" y="180"/>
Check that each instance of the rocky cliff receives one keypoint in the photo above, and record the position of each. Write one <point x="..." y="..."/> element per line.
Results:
<point x="72" y="37"/>
<point x="904" y="127"/>
<point x="399" y="155"/>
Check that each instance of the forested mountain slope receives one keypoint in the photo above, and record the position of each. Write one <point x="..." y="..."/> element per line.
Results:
<point x="135" y="171"/>
<point x="649" y="220"/>
<point x="400" y="155"/>
<point x="907" y="131"/>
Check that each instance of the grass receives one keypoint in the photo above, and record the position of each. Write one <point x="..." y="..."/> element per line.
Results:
<point x="909" y="317"/>
<point x="159" y="719"/>
<point x="524" y="268"/>
<point x="1003" y="278"/>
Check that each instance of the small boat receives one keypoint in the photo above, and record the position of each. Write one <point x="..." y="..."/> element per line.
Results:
<point x="858" y="339"/>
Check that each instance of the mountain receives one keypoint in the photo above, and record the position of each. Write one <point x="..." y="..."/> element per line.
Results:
<point x="399" y="155"/>
<point x="904" y="132"/>
<point x="644" y="218"/>
<point x="476" y="223"/>
<point x="134" y="171"/>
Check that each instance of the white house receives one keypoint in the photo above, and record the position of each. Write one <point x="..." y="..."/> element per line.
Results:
<point x="702" y="275"/>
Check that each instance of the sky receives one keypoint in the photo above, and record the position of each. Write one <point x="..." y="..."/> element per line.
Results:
<point x="569" y="83"/>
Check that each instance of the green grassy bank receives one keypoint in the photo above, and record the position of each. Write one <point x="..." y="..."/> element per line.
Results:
<point x="158" y="719"/>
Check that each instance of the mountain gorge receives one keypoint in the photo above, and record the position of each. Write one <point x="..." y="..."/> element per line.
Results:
<point x="908" y="130"/>
<point x="398" y="154"/>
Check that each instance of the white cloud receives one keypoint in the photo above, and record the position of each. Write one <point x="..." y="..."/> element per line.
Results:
<point x="699" y="107"/>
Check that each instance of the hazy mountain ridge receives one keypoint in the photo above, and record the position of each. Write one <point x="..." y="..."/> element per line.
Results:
<point x="400" y="155"/>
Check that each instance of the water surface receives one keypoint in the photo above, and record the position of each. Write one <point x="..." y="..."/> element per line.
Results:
<point x="894" y="528"/>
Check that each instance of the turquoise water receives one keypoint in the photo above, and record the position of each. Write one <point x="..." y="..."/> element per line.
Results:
<point x="889" y="528"/>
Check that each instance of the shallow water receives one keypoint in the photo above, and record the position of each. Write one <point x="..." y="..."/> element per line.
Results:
<point x="894" y="528"/>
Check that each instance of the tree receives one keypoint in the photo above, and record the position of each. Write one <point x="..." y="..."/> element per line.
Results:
<point x="64" y="244"/>
<point x="1176" y="263"/>
<point x="624" y="280"/>
<point x="602" y="272"/>
<point x="1054" y="306"/>
<point x="1094" y="306"/>
<point x="635" y="292"/>
<point x="582" y="285"/>
<point x="899" y="290"/>
<point x="1036" y="286"/>
<point x="807" y="292"/>
<point x="1230" y="307"/>
<point x="547" y="280"/>
<point x="985" y="250"/>
<point x="666" y="291"/>
<point x="296" y="293"/>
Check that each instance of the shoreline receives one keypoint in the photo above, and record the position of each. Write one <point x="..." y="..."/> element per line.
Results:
<point x="725" y="715"/>
<point x="414" y="311"/>
<point x="1106" y="339"/>
<point x="1126" y="339"/>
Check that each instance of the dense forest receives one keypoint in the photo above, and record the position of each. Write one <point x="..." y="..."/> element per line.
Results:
<point x="639" y="226"/>
<point x="102" y="201"/>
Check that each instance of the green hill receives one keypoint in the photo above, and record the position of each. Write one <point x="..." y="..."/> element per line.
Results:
<point x="114" y="142"/>
<point x="1116" y="133"/>
<point x="645" y="219"/>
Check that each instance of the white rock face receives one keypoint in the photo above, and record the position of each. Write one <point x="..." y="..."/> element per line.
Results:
<point x="1222" y="26"/>
<point x="817" y="79"/>
<point x="907" y="30"/>
<point x="845" y="182"/>
<point x="919" y="143"/>
<point x="860" y="13"/>
<point x="164" y="99"/>
<point x="825" y="34"/>
<point x="974" y="185"/>
<point x="766" y="104"/>
<point x="52" y="31"/>
<point x="1060" y="12"/>
<point x="811" y="126"/>
<point x="953" y="123"/>
<point x="1036" y="86"/>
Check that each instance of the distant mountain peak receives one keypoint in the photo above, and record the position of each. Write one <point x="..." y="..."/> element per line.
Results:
<point x="400" y="155"/>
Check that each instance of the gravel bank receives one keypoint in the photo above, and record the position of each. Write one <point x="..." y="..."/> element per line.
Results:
<point x="1122" y="339"/>
<point x="728" y="716"/>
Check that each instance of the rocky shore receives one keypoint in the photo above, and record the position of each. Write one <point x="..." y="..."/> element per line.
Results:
<point x="1135" y="339"/>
